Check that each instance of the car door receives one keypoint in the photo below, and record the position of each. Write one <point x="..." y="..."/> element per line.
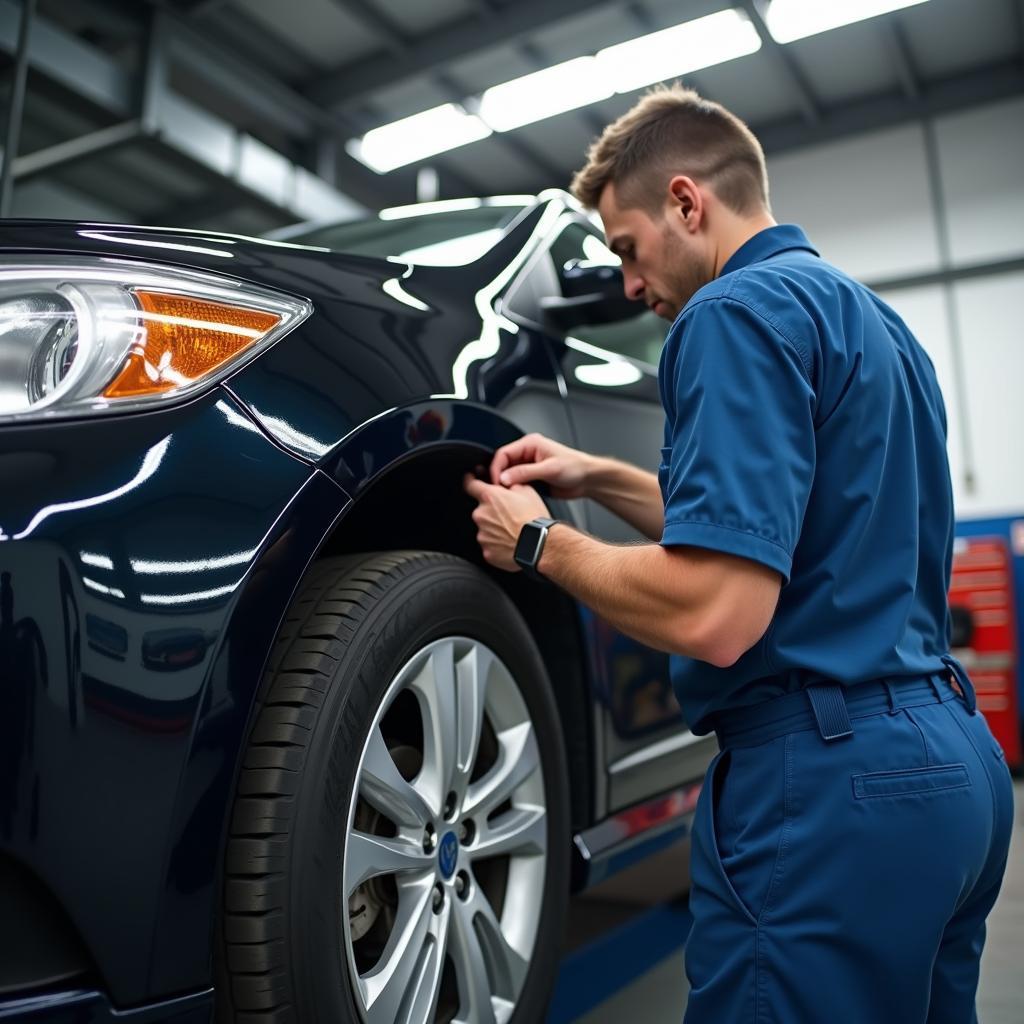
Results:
<point x="610" y="376"/>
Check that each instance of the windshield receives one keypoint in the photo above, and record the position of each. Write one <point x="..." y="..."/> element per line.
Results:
<point x="433" y="235"/>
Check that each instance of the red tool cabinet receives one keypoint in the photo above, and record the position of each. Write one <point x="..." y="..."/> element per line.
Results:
<point x="982" y="584"/>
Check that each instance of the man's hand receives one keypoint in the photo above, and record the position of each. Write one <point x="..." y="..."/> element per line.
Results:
<point x="500" y="515"/>
<point x="536" y="457"/>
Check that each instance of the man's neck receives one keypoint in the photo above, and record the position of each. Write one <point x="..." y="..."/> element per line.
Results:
<point x="736" y="233"/>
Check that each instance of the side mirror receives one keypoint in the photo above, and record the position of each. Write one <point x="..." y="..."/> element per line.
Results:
<point x="592" y="293"/>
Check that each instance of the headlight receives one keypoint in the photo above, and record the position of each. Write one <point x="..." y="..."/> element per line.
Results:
<point x="81" y="336"/>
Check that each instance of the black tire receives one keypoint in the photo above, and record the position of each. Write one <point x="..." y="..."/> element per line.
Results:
<point x="353" y="625"/>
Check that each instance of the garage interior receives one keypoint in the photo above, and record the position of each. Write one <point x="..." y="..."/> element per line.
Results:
<point x="895" y="139"/>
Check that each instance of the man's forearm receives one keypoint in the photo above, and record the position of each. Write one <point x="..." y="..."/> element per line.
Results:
<point x="631" y="493"/>
<point x="635" y="588"/>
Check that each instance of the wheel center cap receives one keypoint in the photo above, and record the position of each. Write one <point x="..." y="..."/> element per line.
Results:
<point x="448" y="855"/>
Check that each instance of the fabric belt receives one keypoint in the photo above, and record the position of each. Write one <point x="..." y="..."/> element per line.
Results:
<point x="831" y="707"/>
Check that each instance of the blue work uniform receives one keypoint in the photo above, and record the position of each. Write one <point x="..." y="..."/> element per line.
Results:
<point x="852" y="833"/>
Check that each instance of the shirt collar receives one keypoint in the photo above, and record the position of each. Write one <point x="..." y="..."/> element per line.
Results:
<point x="769" y="242"/>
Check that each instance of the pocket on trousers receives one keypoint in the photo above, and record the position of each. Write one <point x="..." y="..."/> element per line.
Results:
<point x="705" y="860"/>
<point x="932" y="779"/>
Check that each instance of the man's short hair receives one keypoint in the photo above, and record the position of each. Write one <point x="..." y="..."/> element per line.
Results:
<point x="671" y="131"/>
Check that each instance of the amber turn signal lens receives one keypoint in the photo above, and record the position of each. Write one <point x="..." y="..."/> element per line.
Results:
<point x="183" y="339"/>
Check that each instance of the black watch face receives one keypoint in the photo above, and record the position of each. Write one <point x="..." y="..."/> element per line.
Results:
<point x="528" y="543"/>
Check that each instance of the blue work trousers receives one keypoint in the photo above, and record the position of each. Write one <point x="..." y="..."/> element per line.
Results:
<point x="847" y="880"/>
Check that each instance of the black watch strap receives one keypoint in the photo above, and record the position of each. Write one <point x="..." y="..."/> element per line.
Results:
<point x="530" y="545"/>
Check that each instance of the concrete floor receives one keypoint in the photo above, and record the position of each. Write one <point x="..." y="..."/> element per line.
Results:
<point x="634" y="969"/>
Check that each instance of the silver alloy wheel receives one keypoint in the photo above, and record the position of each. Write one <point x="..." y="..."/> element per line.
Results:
<point x="464" y="692"/>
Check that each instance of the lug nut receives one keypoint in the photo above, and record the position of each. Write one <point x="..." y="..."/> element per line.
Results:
<point x="438" y="900"/>
<point x="429" y="839"/>
<point x="462" y="885"/>
<point x="467" y="832"/>
<point x="449" y="806"/>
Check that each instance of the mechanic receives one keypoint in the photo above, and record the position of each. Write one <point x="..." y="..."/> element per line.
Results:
<point x="852" y="832"/>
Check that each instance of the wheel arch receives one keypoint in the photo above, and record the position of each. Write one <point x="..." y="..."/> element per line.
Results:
<point x="416" y="501"/>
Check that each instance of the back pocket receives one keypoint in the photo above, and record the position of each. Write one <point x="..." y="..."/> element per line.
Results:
<point x="911" y="780"/>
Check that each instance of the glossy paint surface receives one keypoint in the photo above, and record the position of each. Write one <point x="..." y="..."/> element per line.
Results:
<point x="137" y="556"/>
<point x="147" y="560"/>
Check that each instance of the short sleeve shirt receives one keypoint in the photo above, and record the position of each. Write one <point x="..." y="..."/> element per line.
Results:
<point x="805" y="430"/>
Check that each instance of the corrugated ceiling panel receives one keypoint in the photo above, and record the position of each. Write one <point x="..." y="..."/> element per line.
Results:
<point x="947" y="36"/>
<point x="416" y="17"/>
<point x="321" y="29"/>
<point x="849" y="63"/>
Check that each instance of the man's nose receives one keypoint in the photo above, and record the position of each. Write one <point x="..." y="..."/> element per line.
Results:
<point x="633" y="285"/>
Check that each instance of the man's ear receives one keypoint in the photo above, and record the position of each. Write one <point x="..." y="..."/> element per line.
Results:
<point x="687" y="201"/>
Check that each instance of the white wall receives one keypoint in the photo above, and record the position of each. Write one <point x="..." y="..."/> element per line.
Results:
<point x="869" y="206"/>
<point x="864" y="201"/>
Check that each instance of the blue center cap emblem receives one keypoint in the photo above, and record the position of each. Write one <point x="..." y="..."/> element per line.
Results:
<point x="448" y="854"/>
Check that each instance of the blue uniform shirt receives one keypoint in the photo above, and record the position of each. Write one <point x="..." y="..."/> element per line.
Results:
<point x="805" y="430"/>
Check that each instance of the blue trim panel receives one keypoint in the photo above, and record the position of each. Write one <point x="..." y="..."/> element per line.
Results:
<point x="596" y="971"/>
<point x="84" y="1007"/>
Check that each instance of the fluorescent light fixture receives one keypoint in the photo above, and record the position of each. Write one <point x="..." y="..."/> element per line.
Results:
<point x="794" y="19"/>
<point x="575" y="83"/>
<point x="413" y="138"/>
<point x="678" y="50"/>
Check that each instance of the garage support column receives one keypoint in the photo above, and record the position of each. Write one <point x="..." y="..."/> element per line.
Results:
<point x="931" y="149"/>
<point x="17" y="107"/>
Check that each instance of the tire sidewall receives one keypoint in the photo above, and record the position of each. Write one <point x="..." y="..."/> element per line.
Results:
<point x="432" y="602"/>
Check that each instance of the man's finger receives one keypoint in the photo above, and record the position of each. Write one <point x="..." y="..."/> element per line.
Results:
<point x="473" y="487"/>
<point x="522" y="451"/>
<point x="523" y="474"/>
<point x="504" y="457"/>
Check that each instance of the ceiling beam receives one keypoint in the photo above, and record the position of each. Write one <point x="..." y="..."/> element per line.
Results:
<point x="89" y="72"/>
<point x="448" y="43"/>
<point x="937" y="98"/>
<point x="786" y="63"/>
<point x="393" y="37"/>
<point x="1017" y="13"/>
<point x="388" y="31"/>
<point x="895" y="41"/>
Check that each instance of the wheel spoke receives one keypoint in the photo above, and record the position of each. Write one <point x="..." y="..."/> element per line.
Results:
<point x="382" y="785"/>
<point x="420" y="1003"/>
<point x="522" y="830"/>
<point x="473" y="673"/>
<point x="367" y="856"/>
<point x="403" y="982"/>
<point x="475" y="1006"/>
<point x="518" y="759"/>
<point x="490" y="972"/>
<point x="436" y="686"/>
<point x="505" y="966"/>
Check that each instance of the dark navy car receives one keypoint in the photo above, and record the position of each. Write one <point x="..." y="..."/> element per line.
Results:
<point x="275" y="743"/>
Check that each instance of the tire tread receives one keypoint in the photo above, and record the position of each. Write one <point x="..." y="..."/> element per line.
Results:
<point x="334" y="601"/>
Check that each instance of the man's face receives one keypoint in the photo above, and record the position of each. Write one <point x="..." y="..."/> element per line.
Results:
<point x="662" y="263"/>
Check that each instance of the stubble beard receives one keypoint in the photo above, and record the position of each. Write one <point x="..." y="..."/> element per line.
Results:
<point x="685" y="273"/>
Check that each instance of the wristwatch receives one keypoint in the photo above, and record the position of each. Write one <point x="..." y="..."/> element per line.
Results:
<point x="530" y="545"/>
